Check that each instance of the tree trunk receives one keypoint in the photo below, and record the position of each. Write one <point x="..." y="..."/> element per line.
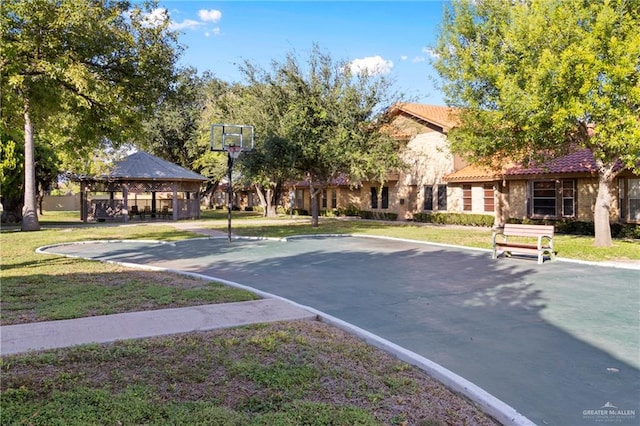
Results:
<point x="602" y="208"/>
<point x="266" y="201"/>
<point x="29" y="212"/>
<point x="313" y="192"/>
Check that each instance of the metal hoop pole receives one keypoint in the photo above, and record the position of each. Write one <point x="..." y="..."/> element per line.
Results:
<point x="229" y="194"/>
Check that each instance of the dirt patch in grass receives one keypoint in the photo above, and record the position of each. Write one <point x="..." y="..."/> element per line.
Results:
<point x="300" y="372"/>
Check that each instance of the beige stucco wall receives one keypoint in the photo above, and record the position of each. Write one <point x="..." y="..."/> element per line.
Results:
<point x="61" y="203"/>
<point x="455" y="204"/>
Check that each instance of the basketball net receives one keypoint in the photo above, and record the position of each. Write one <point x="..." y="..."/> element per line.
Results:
<point x="234" y="151"/>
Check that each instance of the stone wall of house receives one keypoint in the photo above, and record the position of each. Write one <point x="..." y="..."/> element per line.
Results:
<point x="455" y="203"/>
<point x="587" y="190"/>
<point x="516" y="202"/>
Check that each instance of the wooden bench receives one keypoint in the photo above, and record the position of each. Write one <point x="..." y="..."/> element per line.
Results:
<point x="543" y="234"/>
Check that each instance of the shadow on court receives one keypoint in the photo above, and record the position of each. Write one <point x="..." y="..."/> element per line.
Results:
<point x="555" y="341"/>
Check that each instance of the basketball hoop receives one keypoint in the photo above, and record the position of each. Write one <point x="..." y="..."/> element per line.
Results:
<point x="234" y="151"/>
<point x="232" y="139"/>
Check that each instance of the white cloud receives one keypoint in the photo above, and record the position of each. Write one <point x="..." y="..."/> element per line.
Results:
<point x="209" y="15"/>
<point x="371" y="65"/>
<point x="155" y="18"/>
<point x="418" y="59"/>
<point x="429" y="51"/>
<point x="404" y="57"/>
<point x="187" y="24"/>
<point x="215" y="31"/>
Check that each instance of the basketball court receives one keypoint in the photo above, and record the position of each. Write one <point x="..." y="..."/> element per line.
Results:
<point x="559" y="342"/>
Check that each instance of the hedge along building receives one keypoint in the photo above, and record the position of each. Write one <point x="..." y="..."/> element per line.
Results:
<point x="141" y="186"/>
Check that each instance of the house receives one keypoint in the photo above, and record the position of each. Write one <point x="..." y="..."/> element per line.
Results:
<point x="422" y="130"/>
<point x="564" y="188"/>
<point x="437" y="180"/>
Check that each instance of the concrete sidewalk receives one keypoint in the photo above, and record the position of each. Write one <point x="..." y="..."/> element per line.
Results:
<point x="108" y="328"/>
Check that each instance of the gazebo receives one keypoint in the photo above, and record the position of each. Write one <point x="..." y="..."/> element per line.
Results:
<point x="141" y="186"/>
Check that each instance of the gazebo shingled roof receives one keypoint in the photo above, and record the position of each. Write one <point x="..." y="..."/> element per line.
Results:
<point x="142" y="165"/>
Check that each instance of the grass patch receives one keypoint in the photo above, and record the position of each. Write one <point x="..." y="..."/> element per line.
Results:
<point x="228" y="377"/>
<point x="568" y="246"/>
<point x="39" y="287"/>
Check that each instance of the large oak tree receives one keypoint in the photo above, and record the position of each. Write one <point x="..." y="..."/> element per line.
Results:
<point x="79" y="74"/>
<point x="537" y="79"/>
<point x="319" y="122"/>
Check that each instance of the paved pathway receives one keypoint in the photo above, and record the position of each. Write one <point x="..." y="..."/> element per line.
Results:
<point x="558" y="341"/>
<point x="22" y="338"/>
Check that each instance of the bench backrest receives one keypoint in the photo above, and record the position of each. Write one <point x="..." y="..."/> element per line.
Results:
<point x="528" y="230"/>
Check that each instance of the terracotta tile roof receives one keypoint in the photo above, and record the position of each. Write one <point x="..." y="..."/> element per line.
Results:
<point x="441" y="116"/>
<point x="472" y="173"/>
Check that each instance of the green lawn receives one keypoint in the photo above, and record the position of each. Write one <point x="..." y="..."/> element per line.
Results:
<point x="568" y="246"/>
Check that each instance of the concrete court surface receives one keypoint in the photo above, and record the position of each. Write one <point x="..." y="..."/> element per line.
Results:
<point x="559" y="342"/>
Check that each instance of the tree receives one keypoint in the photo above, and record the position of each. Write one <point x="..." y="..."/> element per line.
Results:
<point x="270" y="164"/>
<point x="325" y="121"/>
<point x="180" y="128"/>
<point x="12" y="176"/>
<point x="80" y="74"/>
<point x="535" y="80"/>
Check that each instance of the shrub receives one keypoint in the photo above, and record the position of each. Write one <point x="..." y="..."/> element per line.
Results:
<point x="467" y="219"/>
<point x="577" y="227"/>
<point x="350" y="210"/>
<point x="364" y="214"/>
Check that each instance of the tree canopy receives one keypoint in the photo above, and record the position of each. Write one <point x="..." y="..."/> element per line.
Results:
<point x="320" y="122"/>
<point x="537" y="79"/>
<point x="78" y="74"/>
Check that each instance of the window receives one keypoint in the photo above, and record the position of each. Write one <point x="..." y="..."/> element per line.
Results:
<point x="334" y="199"/>
<point x="384" y="196"/>
<point x="489" y="198"/>
<point x="324" y="198"/>
<point x="544" y="198"/>
<point x="466" y="198"/>
<point x="442" y="197"/>
<point x="568" y="192"/>
<point x="554" y="198"/>
<point x="428" y="197"/>
<point x="299" y="198"/>
<point x="633" y="186"/>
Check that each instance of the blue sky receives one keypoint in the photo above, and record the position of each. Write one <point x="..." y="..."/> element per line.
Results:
<point x="390" y="36"/>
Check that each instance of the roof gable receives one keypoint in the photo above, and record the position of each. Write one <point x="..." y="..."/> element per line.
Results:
<point x="440" y="116"/>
